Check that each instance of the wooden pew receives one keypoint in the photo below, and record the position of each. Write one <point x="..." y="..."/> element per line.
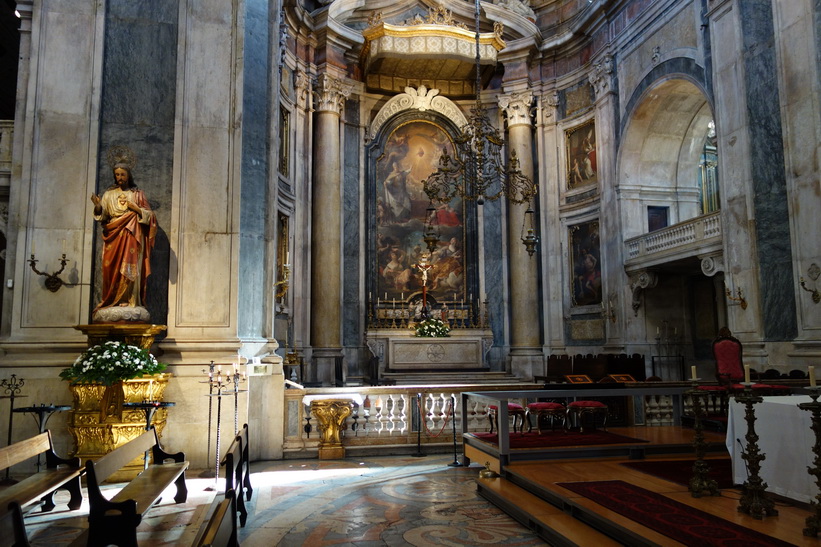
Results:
<point x="233" y="463"/>
<point x="60" y="473"/>
<point x="246" y="462"/>
<point x="220" y="530"/>
<point x="12" y="529"/>
<point x="115" y="521"/>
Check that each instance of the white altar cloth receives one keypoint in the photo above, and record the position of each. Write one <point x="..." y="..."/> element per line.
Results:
<point x="785" y="439"/>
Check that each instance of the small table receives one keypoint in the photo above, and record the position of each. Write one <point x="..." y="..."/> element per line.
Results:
<point x="42" y="413"/>
<point x="150" y="408"/>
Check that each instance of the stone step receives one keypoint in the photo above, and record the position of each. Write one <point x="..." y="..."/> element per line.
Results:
<point x="449" y="378"/>
<point x="548" y="521"/>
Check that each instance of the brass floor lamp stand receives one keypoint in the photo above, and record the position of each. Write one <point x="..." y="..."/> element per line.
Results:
<point x="754" y="500"/>
<point x="700" y="481"/>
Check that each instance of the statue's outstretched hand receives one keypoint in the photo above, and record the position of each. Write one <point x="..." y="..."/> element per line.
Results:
<point x="95" y="199"/>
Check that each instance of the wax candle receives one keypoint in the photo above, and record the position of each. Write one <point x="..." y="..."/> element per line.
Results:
<point x="693" y="372"/>
<point x="657" y="331"/>
<point x="746" y="374"/>
<point x="811" y="370"/>
<point x="287" y="257"/>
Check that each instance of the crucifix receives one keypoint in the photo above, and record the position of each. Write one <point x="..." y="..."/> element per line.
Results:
<point x="424" y="266"/>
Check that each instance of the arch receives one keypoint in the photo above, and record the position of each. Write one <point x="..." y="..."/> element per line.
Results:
<point x="421" y="99"/>
<point x="660" y="151"/>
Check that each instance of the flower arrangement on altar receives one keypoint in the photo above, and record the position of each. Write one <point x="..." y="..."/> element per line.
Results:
<point x="432" y="328"/>
<point x="111" y="362"/>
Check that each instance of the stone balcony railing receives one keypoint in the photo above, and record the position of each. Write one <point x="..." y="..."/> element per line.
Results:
<point x="694" y="237"/>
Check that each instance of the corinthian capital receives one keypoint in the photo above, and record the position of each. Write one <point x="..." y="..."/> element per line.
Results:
<point x="330" y="93"/>
<point x="601" y="75"/>
<point x="517" y="107"/>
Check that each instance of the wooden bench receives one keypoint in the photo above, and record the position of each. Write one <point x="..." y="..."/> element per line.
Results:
<point x="220" y="530"/>
<point x="115" y="521"/>
<point x="246" y="462"/>
<point x="237" y="472"/>
<point x="12" y="528"/>
<point x="60" y="473"/>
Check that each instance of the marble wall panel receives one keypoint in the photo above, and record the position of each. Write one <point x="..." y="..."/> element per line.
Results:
<point x="209" y="71"/>
<point x="66" y="62"/>
<point x="205" y="259"/>
<point x="206" y="200"/>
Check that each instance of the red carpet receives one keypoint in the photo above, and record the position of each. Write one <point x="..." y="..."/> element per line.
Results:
<point x="681" y="471"/>
<point x="668" y="517"/>
<point x="559" y="438"/>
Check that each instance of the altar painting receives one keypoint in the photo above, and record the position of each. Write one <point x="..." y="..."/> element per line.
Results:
<point x="411" y="154"/>
<point x="585" y="264"/>
<point x="581" y="155"/>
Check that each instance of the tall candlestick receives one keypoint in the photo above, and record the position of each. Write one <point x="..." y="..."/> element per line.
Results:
<point x="693" y="373"/>
<point x="811" y="370"/>
<point x="746" y="374"/>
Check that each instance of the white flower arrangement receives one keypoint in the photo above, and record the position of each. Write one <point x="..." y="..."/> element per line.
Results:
<point x="432" y="328"/>
<point x="111" y="362"/>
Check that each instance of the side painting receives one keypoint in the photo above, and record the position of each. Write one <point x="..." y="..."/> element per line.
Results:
<point x="585" y="263"/>
<point x="581" y="155"/>
<point x="411" y="154"/>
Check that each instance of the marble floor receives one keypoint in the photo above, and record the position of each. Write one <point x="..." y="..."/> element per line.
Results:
<point x="400" y="500"/>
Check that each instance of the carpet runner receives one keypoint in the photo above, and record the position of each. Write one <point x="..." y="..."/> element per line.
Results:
<point x="681" y="471"/>
<point x="675" y="520"/>
<point x="559" y="438"/>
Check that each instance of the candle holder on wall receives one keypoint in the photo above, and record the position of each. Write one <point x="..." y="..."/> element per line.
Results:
<point x="739" y="296"/>
<point x="53" y="281"/>
<point x="814" y="271"/>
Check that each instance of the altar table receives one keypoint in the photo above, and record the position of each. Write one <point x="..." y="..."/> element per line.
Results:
<point x="785" y="439"/>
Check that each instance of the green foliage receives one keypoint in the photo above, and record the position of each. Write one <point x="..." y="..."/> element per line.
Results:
<point x="432" y="328"/>
<point x="110" y="363"/>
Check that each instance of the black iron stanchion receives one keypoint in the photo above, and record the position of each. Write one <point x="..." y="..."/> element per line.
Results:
<point x="218" y="395"/>
<point x="455" y="462"/>
<point x="813" y="522"/>
<point x="11" y="386"/>
<point x="700" y="481"/>
<point x="207" y="473"/>
<point x="421" y="424"/>
<point x="754" y="500"/>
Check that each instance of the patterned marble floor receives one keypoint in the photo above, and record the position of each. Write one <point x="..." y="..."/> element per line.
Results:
<point x="365" y="502"/>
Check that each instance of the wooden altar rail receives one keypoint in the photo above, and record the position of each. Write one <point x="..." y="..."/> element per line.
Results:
<point x="502" y="398"/>
<point x="390" y="420"/>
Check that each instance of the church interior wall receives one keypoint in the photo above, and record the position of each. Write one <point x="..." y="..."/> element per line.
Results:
<point x="204" y="126"/>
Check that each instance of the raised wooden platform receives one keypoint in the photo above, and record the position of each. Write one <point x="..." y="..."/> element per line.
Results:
<point x="528" y="491"/>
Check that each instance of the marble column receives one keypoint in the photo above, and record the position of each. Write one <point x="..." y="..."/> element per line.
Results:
<point x="525" y="343"/>
<point x="326" y="227"/>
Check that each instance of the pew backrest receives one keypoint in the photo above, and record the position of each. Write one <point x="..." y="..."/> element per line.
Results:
<point x="23" y="450"/>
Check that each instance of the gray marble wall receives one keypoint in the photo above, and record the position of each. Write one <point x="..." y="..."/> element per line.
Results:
<point x="494" y="257"/>
<point x="768" y="171"/>
<point x="255" y="204"/>
<point x="352" y="335"/>
<point x="137" y="110"/>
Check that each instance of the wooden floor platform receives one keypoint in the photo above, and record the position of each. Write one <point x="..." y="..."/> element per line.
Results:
<point x="528" y="491"/>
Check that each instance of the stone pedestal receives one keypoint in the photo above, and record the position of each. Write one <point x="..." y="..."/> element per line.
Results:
<point x="135" y="334"/>
<point x="331" y="414"/>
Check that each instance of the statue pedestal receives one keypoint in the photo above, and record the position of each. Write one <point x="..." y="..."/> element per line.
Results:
<point x="331" y="415"/>
<point x="135" y="334"/>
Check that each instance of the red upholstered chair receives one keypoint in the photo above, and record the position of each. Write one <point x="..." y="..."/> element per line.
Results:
<point x="515" y="410"/>
<point x="727" y="351"/>
<point x="550" y="411"/>
<point x="578" y="409"/>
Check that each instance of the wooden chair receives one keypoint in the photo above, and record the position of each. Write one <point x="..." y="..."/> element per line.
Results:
<point x="727" y="351"/>
<point x="577" y="410"/>
<point x="549" y="411"/>
<point x="515" y="410"/>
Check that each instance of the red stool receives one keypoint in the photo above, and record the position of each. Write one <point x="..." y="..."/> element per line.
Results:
<point x="577" y="410"/>
<point x="553" y="411"/>
<point x="515" y="410"/>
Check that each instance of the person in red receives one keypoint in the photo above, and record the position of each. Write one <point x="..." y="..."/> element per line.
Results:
<point x="129" y="230"/>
